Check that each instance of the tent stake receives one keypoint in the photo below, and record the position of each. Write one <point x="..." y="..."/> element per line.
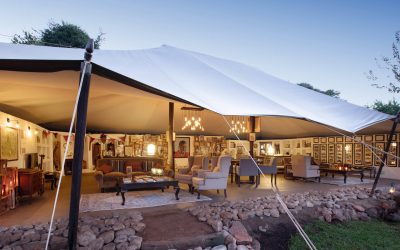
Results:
<point x="80" y="133"/>
<point x="383" y="160"/>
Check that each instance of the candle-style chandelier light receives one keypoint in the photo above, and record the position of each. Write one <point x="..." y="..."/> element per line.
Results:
<point x="192" y="119"/>
<point x="239" y="124"/>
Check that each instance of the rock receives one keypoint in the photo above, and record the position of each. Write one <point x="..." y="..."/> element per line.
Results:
<point x="240" y="233"/>
<point x="121" y="239"/>
<point x="243" y="215"/>
<point x="139" y="227"/>
<point x="96" y="244"/>
<point x="107" y="236"/>
<point x="122" y="246"/>
<point x="109" y="246"/>
<point x="220" y="247"/>
<point x="363" y="216"/>
<point x="395" y="217"/>
<point x="118" y="226"/>
<point x="262" y="229"/>
<point x="241" y="247"/>
<point x="135" y="242"/>
<point x="57" y="242"/>
<point x="256" y="244"/>
<point x="362" y="196"/>
<point x="358" y="208"/>
<point x="217" y="225"/>
<point x="84" y="238"/>
<point x="274" y="212"/>
<point x="197" y="248"/>
<point x="37" y="245"/>
<point x="109" y="222"/>
<point x="232" y="246"/>
<point x="309" y="204"/>
<point x="338" y="215"/>
<point x="372" y="212"/>
<point x="127" y="231"/>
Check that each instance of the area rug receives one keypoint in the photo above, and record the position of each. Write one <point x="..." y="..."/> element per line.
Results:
<point x="339" y="180"/>
<point x="135" y="199"/>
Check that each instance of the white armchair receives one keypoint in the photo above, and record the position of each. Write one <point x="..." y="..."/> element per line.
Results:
<point x="302" y="167"/>
<point x="216" y="179"/>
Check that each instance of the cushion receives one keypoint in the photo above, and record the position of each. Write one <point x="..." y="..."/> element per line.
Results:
<point x="217" y="169"/>
<point x="183" y="177"/>
<point x="106" y="168"/>
<point x="115" y="174"/>
<point x="198" y="181"/>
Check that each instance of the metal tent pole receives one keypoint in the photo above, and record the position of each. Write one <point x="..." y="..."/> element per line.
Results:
<point x="79" y="147"/>
<point x="387" y="147"/>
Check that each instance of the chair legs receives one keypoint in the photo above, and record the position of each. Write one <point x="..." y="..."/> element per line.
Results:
<point x="252" y="180"/>
<point x="225" y="193"/>
<point x="198" y="194"/>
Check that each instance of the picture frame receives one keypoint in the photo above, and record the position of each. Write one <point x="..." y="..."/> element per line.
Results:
<point x="379" y="137"/>
<point x="358" y="138"/>
<point x="9" y="144"/>
<point x="316" y="153"/>
<point x="331" y="139"/>
<point x="348" y="139"/>
<point x="331" y="153"/>
<point x="348" y="153"/>
<point x="368" y="156"/>
<point x="315" y="140"/>
<point x="323" y="153"/>
<point x="339" y="153"/>
<point x="339" y="139"/>
<point x="252" y="137"/>
<point x="232" y="144"/>
<point x="379" y="147"/>
<point x="128" y="151"/>
<point x="358" y="153"/>
<point x="182" y="147"/>
<point x="323" y="140"/>
<point x="368" y="138"/>
<point x="393" y="139"/>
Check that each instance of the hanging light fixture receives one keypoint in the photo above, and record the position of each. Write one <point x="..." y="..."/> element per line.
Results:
<point x="192" y="119"/>
<point x="239" y="124"/>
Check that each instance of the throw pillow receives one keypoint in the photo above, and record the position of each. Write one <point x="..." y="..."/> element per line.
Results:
<point x="217" y="169"/>
<point x="105" y="168"/>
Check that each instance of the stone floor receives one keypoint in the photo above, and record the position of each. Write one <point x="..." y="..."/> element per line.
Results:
<point x="38" y="209"/>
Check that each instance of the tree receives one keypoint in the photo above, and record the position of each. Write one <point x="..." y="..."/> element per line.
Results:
<point x="391" y="108"/>
<point x="389" y="72"/>
<point x="58" y="35"/>
<point x="330" y="92"/>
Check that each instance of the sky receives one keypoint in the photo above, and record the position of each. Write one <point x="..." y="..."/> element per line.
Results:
<point x="329" y="44"/>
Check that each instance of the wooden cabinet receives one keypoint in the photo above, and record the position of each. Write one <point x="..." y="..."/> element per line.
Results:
<point x="30" y="182"/>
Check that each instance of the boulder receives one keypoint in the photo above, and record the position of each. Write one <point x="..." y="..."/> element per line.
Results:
<point x="358" y="208"/>
<point x="220" y="247"/>
<point x="240" y="233"/>
<point x="107" y="236"/>
<point x="84" y="238"/>
<point x="97" y="244"/>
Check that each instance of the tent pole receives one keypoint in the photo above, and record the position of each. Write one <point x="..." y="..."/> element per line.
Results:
<point x="252" y="124"/>
<point x="171" y="160"/>
<point x="80" y="133"/>
<point x="383" y="160"/>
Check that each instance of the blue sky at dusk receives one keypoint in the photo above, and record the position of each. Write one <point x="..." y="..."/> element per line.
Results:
<point x="330" y="44"/>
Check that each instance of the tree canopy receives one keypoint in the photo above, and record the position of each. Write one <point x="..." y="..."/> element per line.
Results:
<point x="391" y="107"/>
<point x="58" y="35"/>
<point x="330" y="92"/>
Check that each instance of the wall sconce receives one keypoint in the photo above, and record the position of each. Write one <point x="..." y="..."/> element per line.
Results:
<point x="29" y="132"/>
<point x="36" y="132"/>
<point x="8" y="122"/>
<point x="151" y="149"/>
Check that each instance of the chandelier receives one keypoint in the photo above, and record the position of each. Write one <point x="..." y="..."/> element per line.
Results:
<point x="238" y="124"/>
<point x="192" y="119"/>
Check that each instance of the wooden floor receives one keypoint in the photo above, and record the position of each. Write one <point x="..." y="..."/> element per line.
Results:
<point x="38" y="209"/>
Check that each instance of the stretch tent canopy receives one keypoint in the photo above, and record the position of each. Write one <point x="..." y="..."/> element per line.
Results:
<point x="39" y="83"/>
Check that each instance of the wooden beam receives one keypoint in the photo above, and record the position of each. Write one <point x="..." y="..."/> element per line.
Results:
<point x="252" y="125"/>
<point x="171" y="160"/>
<point x="80" y="134"/>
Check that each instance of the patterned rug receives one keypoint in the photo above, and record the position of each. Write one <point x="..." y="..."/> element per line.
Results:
<point x="339" y="180"/>
<point x="135" y="199"/>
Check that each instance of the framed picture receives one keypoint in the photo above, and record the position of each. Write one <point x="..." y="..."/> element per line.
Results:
<point x="8" y="144"/>
<point x="348" y="139"/>
<point x="331" y="139"/>
<point x="315" y="140"/>
<point x="316" y="152"/>
<point x="323" y="139"/>
<point x="348" y="153"/>
<point x="368" y="138"/>
<point x="323" y="154"/>
<point x="368" y="156"/>
<point x="232" y="144"/>
<point x="391" y="157"/>
<point x="379" y="148"/>
<point x="379" y="137"/>
<point x="331" y="153"/>
<point x="358" y="138"/>
<point x="339" y="153"/>
<point x="182" y="147"/>
<point x="252" y="136"/>
<point x="128" y="150"/>
<point x="393" y="139"/>
<point x="339" y="139"/>
<point x="358" y="154"/>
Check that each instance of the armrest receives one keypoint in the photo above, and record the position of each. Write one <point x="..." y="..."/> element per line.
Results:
<point x="213" y="175"/>
<point x="314" y="167"/>
<point x="183" y="171"/>
<point x="98" y="173"/>
<point x="200" y="172"/>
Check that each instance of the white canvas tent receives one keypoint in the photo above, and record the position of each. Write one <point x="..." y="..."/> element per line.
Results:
<point x="39" y="84"/>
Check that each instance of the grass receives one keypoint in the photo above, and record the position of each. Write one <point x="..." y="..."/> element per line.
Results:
<point x="351" y="235"/>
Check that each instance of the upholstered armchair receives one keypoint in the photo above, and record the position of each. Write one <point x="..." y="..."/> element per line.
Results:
<point x="269" y="167"/>
<point x="215" y="179"/>
<point x="302" y="167"/>
<point x="184" y="175"/>
<point x="246" y="167"/>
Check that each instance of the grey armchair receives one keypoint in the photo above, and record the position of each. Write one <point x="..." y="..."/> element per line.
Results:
<point x="269" y="168"/>
<point x="184" y="175"/>
<point x="246" y="167"/>
<point x="216" y="179"/>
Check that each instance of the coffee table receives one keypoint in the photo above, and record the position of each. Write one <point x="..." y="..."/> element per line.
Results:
<point x="166" y="182"/>
<point x="342" y="171"/>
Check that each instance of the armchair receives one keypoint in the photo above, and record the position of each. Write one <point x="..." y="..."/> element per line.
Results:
<point x="216" y="179"/>
<point x="184" y="175"/>
<point x="302" y="167"/>
<point x="270" y="168"/>
<point x="246" y="167"/>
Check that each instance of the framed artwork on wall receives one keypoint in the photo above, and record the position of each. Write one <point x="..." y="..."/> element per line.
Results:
<point x="393" y="139"/>
<point x="368" y="138"/>
<point x="339" y="153"/>
<point x="182" y="147"/>
<point x="368" y="156"/>
<point x="358" y="154"/>
<point x="323" y="153"/>
<point x="252" y="136"/>
<point x="379" y="137"/>
<point x="9" y="144"/>
<point x="331" y="153"/>
<point x="339" y="139"/>
<point x="316" y="152"/>
<point x="315" y="140"/>
<point x="348" y="139"/>
<point x="348" y="153"/>
<point x="391" y="157"/>
<point x="379" y="148"/>
<point x="331" y="139"/>
<point x="358" y="138"/>
<point x="322" y="139"/>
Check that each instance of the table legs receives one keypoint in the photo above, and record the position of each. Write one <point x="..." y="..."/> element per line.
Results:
<point x="177" y="189"/>
<point x="123" y="198"/>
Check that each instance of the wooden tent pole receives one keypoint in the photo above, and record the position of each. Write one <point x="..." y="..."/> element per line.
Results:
<point x="171" y="160"/>
<point x="387" y="148"/>
<point x="252" y="126"/>
<point x="80" y="133"/>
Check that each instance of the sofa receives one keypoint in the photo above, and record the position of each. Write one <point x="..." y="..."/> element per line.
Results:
<point x="109" y="171"/>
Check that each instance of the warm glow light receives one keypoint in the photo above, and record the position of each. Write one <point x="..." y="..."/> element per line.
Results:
<point x="8" y="123"/>
<point x="29" y="132"/>
<point x="270" y="150"/>
<point x="192" y="120"/>
<point x="151" y="149"/>
<point x="17" y="125"/>
<point x="36" y="132"/>
<point x="392" y="189"/>
<point x="239" y="124"/>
